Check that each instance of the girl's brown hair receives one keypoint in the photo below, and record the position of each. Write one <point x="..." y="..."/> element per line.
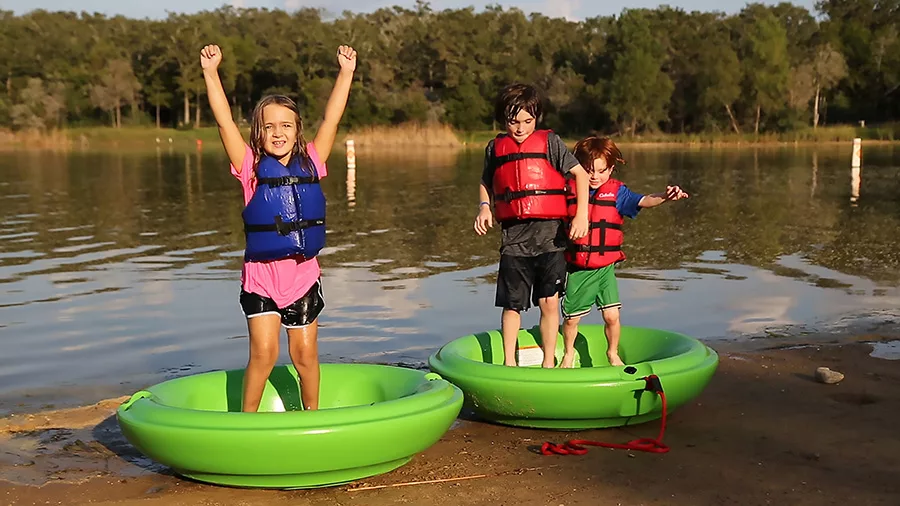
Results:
<point x="591" y="148"/>
<point x="258" y="128"/>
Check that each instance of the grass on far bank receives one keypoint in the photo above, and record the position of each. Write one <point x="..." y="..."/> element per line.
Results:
<point x="841" y="133"/>
<point x="437" y="135"/>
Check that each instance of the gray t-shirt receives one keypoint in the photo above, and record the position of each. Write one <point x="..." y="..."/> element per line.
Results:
<point x="528" y="238"/>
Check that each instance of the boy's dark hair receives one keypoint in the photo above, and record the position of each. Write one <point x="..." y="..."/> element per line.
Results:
<point x="517" y="97"/>
<point x="591" y="148"/>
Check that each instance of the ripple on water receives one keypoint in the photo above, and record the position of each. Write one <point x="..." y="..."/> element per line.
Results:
<point x="17" y="236"/>
<point x="21" y="254"/>
<point x="81" y="247"/>
<point x="68" y="229"/>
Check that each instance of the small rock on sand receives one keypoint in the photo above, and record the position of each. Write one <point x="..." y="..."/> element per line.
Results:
<point x="827" y="376"/>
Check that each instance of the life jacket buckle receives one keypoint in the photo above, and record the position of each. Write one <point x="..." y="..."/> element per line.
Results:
<point x="281" y="227"/>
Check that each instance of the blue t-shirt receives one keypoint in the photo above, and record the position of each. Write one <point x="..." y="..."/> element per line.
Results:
<point x="626" y="201"/>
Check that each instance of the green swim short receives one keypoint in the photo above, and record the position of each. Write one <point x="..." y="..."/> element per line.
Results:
<point x="589" y="287"/>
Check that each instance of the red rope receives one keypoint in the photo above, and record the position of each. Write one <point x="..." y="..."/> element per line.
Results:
<point x="576" y="446"/>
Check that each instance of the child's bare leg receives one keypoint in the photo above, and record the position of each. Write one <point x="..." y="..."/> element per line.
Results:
<point x="549" y="328"/>
<point x="510" y="322"/>
<point x="264" y="332"/>
<point x="570" y="332"/>
<point x="304" y="348"/>
<point x="612" y="329"/>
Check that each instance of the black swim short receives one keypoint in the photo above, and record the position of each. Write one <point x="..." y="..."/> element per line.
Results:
<point x="534" y="278"/>
<point x="300" y="313"/>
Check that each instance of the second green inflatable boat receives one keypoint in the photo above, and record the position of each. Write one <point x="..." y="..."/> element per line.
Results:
<point x="591" y="395"/>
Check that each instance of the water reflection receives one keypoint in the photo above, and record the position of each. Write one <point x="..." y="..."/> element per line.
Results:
<point x="815" y="174"/>
<point x="125" y="267"/>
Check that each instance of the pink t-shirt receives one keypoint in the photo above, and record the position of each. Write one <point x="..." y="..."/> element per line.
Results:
<point x="288" y="279"/>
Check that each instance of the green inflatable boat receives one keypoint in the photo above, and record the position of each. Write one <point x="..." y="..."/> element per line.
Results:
<point x="591" y="395"/>
<point x="372" y="419"/>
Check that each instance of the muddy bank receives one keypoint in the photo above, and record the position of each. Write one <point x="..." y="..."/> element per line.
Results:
<point x="764" y="432"/>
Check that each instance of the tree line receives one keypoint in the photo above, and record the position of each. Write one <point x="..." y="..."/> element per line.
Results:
<point x="764" y="69"/>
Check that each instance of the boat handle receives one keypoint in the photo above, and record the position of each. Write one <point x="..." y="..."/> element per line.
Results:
<point x="433" y="376"/>
<point x="143" y="394"/>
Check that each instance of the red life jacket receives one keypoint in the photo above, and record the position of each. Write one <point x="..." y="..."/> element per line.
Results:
<point x="602" y="245"/>
<point x="525" y="185"/>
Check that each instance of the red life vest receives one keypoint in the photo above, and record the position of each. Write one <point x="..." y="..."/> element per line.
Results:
<point x="525" y="185"/>
<point x="602" y="245"/>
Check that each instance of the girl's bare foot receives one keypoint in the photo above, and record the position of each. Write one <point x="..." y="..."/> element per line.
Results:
<point x="614" y="359"/>
<point x="568" y="361"/>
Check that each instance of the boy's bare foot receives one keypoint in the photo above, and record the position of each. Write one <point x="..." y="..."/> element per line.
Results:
<point x="614" y="359"/>
<point x="507" y="363"/>
<point x="568" y="361"/>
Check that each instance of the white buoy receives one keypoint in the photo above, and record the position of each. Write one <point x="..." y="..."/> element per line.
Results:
<point x="351" y="187"/>
<point x="351" y="154"/>
<point x="856" y="159"/>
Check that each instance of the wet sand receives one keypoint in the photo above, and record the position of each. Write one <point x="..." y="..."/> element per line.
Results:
<point x="763" y="432"/>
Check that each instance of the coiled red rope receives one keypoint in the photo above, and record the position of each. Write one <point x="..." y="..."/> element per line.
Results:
<point x="577" y="446"/>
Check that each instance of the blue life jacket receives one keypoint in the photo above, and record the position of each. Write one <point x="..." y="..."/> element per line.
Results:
<point x="286" y="215"/>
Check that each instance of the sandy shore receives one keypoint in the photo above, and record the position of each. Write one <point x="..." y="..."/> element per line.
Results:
<point x="764" y="432"/>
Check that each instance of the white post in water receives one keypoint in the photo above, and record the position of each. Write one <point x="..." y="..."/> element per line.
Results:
<point x="351" y="187"/>
<point x="854" y="186"/>
<point x="351" y="173"/>
<point x="351" y="154"/>
<point x="855" y="166"/>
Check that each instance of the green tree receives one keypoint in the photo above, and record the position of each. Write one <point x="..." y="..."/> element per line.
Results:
<point x="719" y="76"/>
<point x="117" y="86"/>
<point x="827" y="69"/>
<point x="865" y="33"/>
<point x="639" y="90"/>
<point x="765" y="59"/>
<point x="38" y="106"/>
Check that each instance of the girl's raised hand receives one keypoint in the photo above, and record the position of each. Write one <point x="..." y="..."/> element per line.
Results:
<point x="210" y="57"/>
<point x="346" y="56"/>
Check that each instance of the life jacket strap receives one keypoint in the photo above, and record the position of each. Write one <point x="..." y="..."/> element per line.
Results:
<point x="605" y="224"/>
<point x="513" y="157"/>
<point x="606" y="203"/>
<point x="283" y="227"/>
<point x="287" y="180"/>
<point x="584" y="248"/>
<point x="510" y="196"/>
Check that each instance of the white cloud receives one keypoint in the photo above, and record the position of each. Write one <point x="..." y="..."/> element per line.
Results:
<point x="292" y="5"/>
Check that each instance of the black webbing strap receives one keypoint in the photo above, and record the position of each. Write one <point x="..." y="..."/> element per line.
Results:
<point x="283" y="227"/>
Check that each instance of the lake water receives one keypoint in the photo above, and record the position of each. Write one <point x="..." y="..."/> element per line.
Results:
<point x="119" y="270"/>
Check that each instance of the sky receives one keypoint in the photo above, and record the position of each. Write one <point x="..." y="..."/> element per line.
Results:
<point x="572" y="9"/>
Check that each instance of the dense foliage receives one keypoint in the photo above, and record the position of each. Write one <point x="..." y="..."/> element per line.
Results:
<point x="767" y="68"/>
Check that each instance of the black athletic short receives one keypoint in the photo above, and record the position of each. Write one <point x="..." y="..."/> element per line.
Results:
<point x="534" y="278"/>
<point x="300" y="313"/>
